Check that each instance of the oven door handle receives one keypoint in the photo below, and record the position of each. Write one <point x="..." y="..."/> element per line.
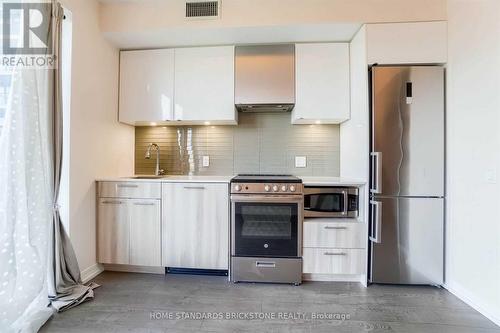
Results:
<point x="267" y="198"/>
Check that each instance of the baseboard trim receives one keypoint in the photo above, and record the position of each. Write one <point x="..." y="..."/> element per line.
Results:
<point x="473" y="302"/>
<point x="134" y="269"/>
<point x="91" y="272"/>
<point x="332" y="278"/>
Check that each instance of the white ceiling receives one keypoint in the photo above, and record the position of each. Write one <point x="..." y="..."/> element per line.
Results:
<point x="192" y="36"/>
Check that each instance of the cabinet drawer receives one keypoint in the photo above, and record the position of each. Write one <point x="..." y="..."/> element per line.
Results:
<point x="134" y="190"/>
<point x="349" y="235"/>
<point x="333" y="261"/>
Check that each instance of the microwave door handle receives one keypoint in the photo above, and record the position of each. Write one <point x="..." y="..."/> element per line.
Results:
<point x="346" y="202"/>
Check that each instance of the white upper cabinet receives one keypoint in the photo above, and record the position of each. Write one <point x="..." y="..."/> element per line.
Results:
<point x="146" y="86"/>
<point x="204" y="85"/>
<point x="407" y="43"/>
<point x="322" y="83"/>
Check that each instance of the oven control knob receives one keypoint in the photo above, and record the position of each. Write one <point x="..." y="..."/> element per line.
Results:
<point x="275" y="188"/>
<point x="284" y="188"/>
<point x="292" y="188"/>
<point x="267" y="188"/>
<point x="237" y="188"/>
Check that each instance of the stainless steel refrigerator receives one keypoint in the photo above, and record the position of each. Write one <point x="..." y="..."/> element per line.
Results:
<point x="407" y="174"/>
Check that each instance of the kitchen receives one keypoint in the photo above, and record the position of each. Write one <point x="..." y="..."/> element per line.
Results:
<point x="237" y="168"/>
<point x="264" y="88"/>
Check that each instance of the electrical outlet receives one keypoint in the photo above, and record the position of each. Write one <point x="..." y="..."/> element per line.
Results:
<point x="206" y="161"/>
<point x="300" y="161"/>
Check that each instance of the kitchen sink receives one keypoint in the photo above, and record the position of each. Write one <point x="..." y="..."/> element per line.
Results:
<point x="147" y="177"/>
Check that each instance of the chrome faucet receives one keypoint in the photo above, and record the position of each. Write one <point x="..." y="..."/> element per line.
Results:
<point x="155" y="147"/>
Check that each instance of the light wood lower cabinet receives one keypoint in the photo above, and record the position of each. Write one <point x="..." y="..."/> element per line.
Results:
<point x="145" y="234"/>
<point x="113" y="231"/>
<point x="334" y="235"/>
<point x="128" y="231"/>
<point x="333" y="261"/>
<point x="334" y="247"/>
<point x="195" y="225"/>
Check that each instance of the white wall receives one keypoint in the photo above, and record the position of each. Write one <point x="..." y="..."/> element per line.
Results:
<point x="354" y="134"/>
<point x="159" y="23"/>
<point x="473" y="211"/>
<point x="140" y="15"/>
<point x="100" y="146"/>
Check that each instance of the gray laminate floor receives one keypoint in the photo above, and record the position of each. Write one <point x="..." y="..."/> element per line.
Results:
<point x="127" y="302"/>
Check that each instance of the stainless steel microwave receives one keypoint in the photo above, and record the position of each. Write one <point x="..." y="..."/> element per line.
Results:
<point x="331" y="202"/>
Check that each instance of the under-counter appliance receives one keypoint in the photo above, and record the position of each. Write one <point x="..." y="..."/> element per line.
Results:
<point x="266" y="228"/>
<point x="407" y="175"/>
<point x="331" y="201"/>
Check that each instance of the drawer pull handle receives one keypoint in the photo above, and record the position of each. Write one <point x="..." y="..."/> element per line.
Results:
<point x="335" y="254"/>
<point x="269" y="264"/>
<point x="109" y="202"/>
<point x="336" y="228"/>
<point x="144" y="203"/>
<point x="194" y="187"/>
<point x="127" y="186"/>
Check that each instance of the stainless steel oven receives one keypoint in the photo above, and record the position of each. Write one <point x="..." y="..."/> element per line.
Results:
<point x="267" y="226"/>
<point x="266" y="232"/>
<point x="331" y="201"/>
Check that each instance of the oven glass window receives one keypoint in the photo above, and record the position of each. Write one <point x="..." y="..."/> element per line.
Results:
<point x="265" y="229"/>
<point x="324" y="202"/>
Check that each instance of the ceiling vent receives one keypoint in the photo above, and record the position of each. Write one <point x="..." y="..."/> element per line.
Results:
<point x="202" y="9"/>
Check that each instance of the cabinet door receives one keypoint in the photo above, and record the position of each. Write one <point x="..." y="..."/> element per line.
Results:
<point x="195" y="225"/>
<point x="407" y="43"/>
<point x="145" y="241"/>
<point x="113" y="231"/>
<point x="146" y="86"/>
<point x="333" y="261"/>
<point x="204" y="85"/>
<point x="322" y="83"/>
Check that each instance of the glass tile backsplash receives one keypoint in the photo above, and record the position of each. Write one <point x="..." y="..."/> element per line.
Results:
<point x="261" y="143"/>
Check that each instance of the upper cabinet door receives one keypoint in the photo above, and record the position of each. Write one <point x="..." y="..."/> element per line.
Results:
<point x="407" y="43"/>
<point x="204" y="85"/>
<point x="146" y="86"/>
<point x="322" y="83"/>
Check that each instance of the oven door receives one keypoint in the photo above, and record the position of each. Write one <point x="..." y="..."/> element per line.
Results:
<point x="266" y="226"/>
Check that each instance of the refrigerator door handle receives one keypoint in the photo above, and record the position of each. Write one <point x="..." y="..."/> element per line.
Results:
<point x="376" y="221"/>
<point x="376" y="172"/>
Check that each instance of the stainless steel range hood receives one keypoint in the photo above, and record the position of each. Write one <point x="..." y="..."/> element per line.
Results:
<point x="265" y="78"/>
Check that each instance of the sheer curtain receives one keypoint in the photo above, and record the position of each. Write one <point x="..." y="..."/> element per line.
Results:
<point x="38" y="267"/>
<point x="25" y="203"/>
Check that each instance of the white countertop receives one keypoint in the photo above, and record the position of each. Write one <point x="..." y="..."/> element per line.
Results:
<point x="331" y="181"/>
<point x="171" y="179"/>
<point x="308" y="181"/>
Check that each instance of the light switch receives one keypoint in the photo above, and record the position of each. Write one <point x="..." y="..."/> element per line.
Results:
<point x="300" y="161"/>
<point x="206" y="161"/>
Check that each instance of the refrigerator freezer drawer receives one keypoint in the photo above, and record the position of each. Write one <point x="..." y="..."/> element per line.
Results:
<point x="334" y="261"/>
<point x="410" y="248"/>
